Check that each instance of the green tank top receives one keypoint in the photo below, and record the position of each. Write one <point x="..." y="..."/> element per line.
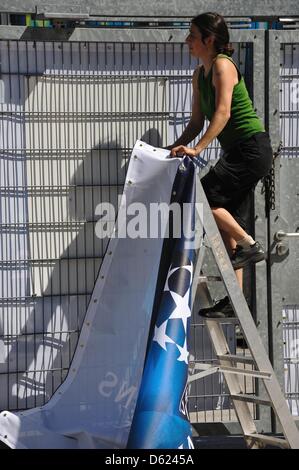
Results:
<point x="243" y="122"/>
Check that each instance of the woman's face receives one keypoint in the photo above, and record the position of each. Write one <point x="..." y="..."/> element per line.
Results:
<point x="197" y="47"/>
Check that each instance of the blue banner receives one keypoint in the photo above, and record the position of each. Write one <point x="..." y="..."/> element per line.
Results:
<point x="161" y="417"/>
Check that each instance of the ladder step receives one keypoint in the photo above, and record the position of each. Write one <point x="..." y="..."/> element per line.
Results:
<point x="275" y="441"/>
<point x="251" y="399"/>
<point x="222" y="320"/>
<point x="202" y="278"/>
<point x="252" y="373"/>
<point x="236" y="358"/>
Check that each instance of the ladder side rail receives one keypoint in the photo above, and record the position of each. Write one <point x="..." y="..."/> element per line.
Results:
<point x="242" y="409"/>
<point x="247" y="324"/>
<point x="200" y="253"/>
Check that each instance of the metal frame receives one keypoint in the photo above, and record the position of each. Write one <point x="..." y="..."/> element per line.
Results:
<point x="157" y="9"/>
<point x="93" y="34"/>
<point x="276" y="294"/>
<point x="258" y="39"/>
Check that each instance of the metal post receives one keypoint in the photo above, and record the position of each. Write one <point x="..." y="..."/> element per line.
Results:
<point x="277" y="222"/>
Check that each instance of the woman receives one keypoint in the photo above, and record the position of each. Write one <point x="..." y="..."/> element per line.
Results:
<point x="220" y="94"/>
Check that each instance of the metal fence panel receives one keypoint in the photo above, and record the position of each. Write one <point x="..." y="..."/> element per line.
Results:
<point x="283" y="124"/>
<point x="291" y="356"/>
<point x="71" y="112"/>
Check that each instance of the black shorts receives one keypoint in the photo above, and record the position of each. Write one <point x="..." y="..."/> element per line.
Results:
<point x="230" y="183"/>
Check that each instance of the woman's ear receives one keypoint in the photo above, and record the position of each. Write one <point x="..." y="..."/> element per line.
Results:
<point x="210" y="40"/>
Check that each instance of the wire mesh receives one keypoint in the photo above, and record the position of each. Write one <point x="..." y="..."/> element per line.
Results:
<point x="209" y="398"/>
<point x="289" y="131"/>
<point x="290" y="325"/>
<point x="289" y="100"/>
<point x="70" y="115"/>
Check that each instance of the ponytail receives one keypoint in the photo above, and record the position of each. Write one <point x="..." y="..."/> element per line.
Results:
<point x="227" y="50"/>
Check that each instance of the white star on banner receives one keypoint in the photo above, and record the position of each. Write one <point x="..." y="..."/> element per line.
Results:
<point x="182" y="309"/>
<point x="160" y="335"/>
<point x="184" y="352"/>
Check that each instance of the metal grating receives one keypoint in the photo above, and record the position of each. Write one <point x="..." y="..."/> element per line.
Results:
<point x="70" y="114"/>
<point x="289" y="100"/>
<point x="289" y="131"/>
<point x="209" y="399"/>
<point x="290" y="317"/>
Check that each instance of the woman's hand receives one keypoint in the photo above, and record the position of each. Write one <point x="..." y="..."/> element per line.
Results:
<point x="183" y="150"/>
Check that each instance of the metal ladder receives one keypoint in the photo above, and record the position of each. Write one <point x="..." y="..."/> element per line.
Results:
<point x="227" y="362"/>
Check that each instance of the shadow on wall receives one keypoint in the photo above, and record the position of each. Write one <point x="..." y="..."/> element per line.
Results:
<point x="41" y="352"/>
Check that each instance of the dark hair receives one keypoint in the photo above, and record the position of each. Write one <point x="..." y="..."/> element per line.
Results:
<point x="214" y="24"/>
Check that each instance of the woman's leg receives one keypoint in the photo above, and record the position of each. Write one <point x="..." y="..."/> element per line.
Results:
<point x="227" y="224"/>
<point x="223" y="308"/>
<point x="230" y="244"/>
<point x="248" y="250"/>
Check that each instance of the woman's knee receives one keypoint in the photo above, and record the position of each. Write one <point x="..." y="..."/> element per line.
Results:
<point x="218" y="212"/>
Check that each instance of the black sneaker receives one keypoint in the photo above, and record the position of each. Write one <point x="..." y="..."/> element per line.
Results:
<point x="243" y="256"/>
<point x="221" y="309"/>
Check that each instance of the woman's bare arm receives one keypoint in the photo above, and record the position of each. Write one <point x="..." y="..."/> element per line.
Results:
<point x="225" y="77"/>
<point x="196" y="122"/>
